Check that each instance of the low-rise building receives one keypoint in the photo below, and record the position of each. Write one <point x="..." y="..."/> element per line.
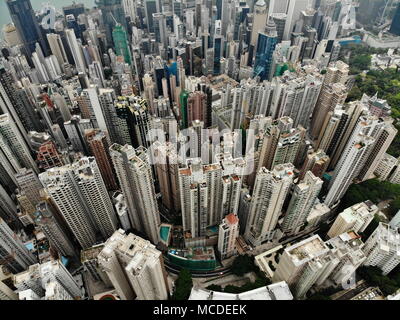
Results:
<point x="275" y="291"/>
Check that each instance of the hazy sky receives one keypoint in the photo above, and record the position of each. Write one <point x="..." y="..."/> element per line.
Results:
<point x="37" y="4"/>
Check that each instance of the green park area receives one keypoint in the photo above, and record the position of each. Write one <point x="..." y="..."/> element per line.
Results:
<point x="385" y="83"/>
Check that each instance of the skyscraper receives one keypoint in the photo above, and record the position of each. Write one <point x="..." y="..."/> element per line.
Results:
<point x="99" y="148"/>
<point x="348" y="249"/>
<point x="166" y="167"/>
<point x="90" y="105"/>
<point x="55" y="271"/>
<point x="13" y="146"/>
<point x="81" y="197"/>
<point x="197" y="107"/>
<point x="381" y="248"/>
<point x="13" y="253"/>
<point x="76" y="50"/>
<point x="316" y="162"/>
<point x="135" y="178"/>
<point x="228" y="232"/>
<point x="7" y="105"/>
<point x="294" y="9"/>
<point x="137" y="115"/>
<point x="305" y="264"/>
<point x="6" y="285"/>
<point x="336" y="72"/>
<point x="89" y="259"/>
<point x="218" y="48"/>
<point x="52" y="225"/>
<point x="150" y="7"/>
<point x="280" y="143"/>
<point x="8" y="208"/>
<point x="30" y="279"/>
<point x="135" y="267"/>
<point x="21" y="106"/>
<point x="55" y="291"/>
<point x="115" y="116"/>
<point x="113" y="13"/>
<point x="384" y="134"/>
<point x="48" y="156"/>
<point x="270" y="191"/>
<point x="260" y="15"/>
<point x="355" y="218"/>
<point x="266" y="43"/>
<point x="160" y="28"/>
<point x="75" y="129"/>
<point x="303" y="199"/>
<point x="200" y="187"/>
<point x="29" y="187"/>
<point x="385" y="167"/>
<point x="330" y="96"/>
<point x="395" y="26"/>
<point x="24" y="19"/>
<point x="350" y="164"/>
<point x="347" y="118"/>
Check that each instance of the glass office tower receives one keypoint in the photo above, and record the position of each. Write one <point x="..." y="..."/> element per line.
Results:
<point x="113" y="13"/>
<point x="266" y="43"/>
<point x="23" y="17"/>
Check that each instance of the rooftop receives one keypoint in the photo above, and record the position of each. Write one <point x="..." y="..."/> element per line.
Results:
<point x="276" y="291"/>
<point x="91" y="253"/>
<point x="232" y="218"/>
<point x="194" y="253"/>
<point x="307" y="249"/>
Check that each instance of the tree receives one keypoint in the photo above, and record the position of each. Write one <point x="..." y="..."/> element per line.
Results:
<point x="214" y="287"/>
<point x="261" y="281"/>
<point x="232" y="289"/>
<point x="373" y="190"/>
<point x="384" y="82"/>
<point x="374" y="277"/>
<point x="183" y="285"/>
<point x="242" y="264"/>
<point x="359" y="63"/>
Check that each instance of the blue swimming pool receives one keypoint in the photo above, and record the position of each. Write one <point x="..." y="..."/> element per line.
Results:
<point x="164" y="233"/>
<point x="29" y="246"/>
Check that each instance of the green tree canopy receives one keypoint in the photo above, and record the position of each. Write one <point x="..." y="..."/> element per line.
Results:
<point x="374" y="277"/>
<point x="183" y="285"/>
<point x="214" y="287"/>
<point x="243" y="264"/>
<point x="375" y="191"/>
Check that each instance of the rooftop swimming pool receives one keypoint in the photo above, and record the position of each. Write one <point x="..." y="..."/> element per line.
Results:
<point x="164" y="233"/>
<point x="29" y="246"/>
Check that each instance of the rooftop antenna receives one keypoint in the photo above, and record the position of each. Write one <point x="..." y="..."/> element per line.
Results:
<point x="116" y="22"/>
